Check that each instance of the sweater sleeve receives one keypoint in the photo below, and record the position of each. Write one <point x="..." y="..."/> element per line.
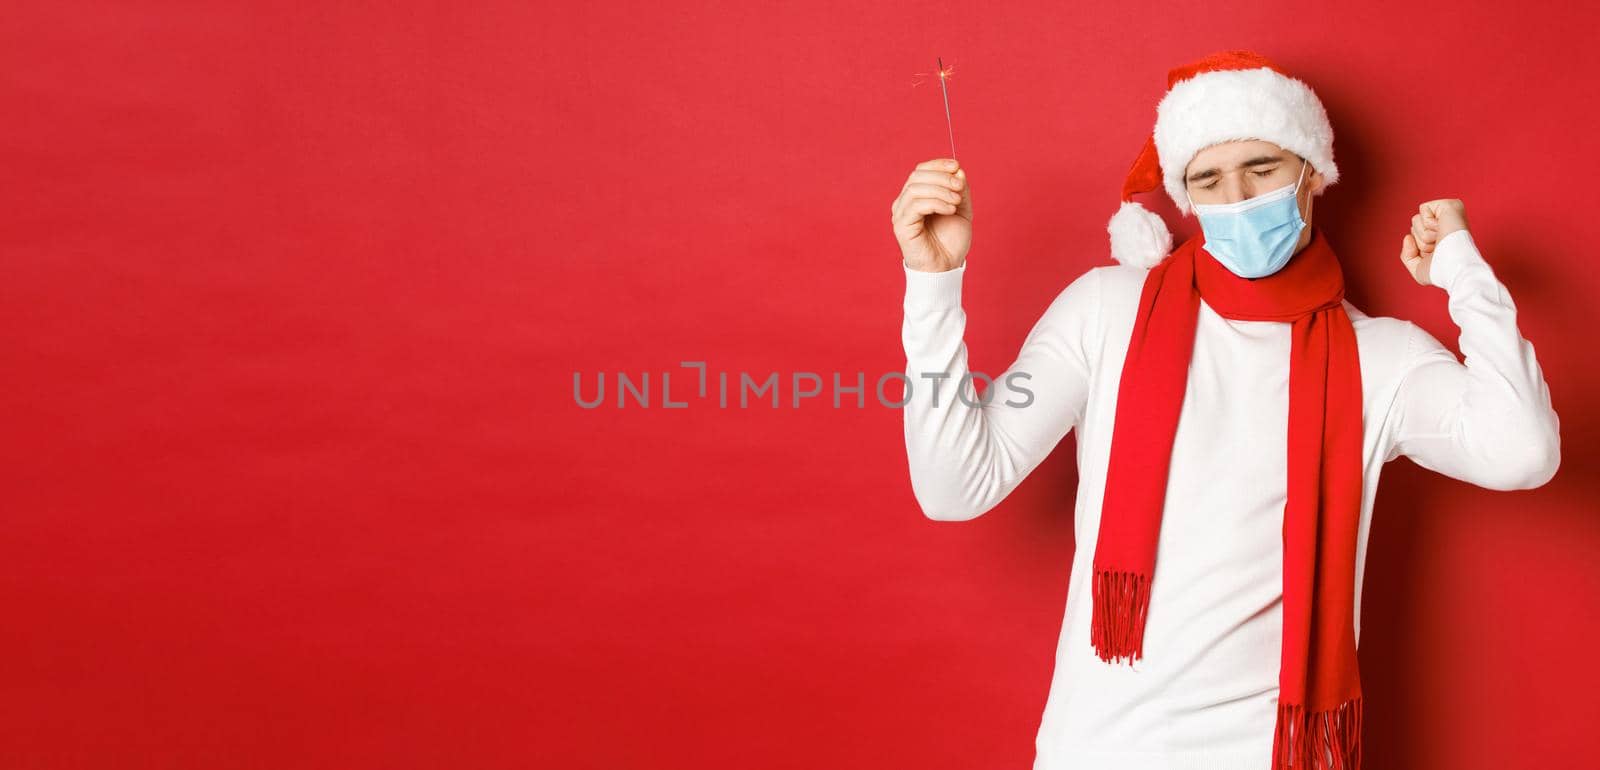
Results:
<point x="1488" y="422"/>
<point x="965" y="453"/>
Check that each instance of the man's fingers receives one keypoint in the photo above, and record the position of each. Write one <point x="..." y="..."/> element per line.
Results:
<point x="929" y="176"/>
<point x="915" y="209"/>
<point x="1409" y="254"/>
<point x="1411" y="257"/>
<point x="915" y="190"/>
<point x="925" y="190"/>
<point x="935" y="186"/>
<point x="1424" y="235"/>
<point x="935" y="177"/>
<point x="922" y="207"/>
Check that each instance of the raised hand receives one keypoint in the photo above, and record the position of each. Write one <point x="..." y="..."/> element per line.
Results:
<point x="1432" y="222"/>
<point x="933" y="216"/>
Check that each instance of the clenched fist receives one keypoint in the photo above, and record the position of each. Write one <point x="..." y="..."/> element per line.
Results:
<point x="933" y="216"/>
<point x="1432" y="222"/>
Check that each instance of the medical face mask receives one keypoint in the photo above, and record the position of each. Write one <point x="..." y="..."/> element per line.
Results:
<point x="1254" y="237"/>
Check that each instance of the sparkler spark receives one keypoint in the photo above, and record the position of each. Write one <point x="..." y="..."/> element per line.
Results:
<point x="944" y="76"/>
<point x="942" y="72"/>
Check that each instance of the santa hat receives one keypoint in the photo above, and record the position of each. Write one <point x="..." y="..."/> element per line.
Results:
<point x="1223" y="97"/>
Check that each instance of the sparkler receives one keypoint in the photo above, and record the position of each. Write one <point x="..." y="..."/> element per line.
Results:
<point x="944" y="75"/>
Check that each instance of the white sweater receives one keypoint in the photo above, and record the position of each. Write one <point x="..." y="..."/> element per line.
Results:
<point x="1205" y="694"/>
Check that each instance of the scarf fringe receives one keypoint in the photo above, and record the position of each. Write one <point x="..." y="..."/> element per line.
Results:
<point x="1319" y="740"/>
<point x="1121" y="602"/>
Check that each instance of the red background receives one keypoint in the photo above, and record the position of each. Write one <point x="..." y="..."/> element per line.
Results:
<point x="293" y="295"/>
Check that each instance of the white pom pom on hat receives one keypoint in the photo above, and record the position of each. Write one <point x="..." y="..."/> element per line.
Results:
<point x="1227" y="96"/>
<point x="1138" y="236"/>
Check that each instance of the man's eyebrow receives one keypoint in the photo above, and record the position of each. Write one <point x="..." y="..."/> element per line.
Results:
<point x="1259" y="160"/>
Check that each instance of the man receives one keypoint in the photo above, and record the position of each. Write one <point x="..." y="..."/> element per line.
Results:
<point x="1233" y="414"/>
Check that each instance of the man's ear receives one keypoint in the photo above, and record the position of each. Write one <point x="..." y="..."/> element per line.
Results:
<point x="1316" y="183"/>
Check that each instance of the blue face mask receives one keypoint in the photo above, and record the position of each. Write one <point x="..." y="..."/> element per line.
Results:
<point x="1254" y="237"/>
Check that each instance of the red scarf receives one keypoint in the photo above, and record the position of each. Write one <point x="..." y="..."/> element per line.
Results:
<point x="1319" y="696"/>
